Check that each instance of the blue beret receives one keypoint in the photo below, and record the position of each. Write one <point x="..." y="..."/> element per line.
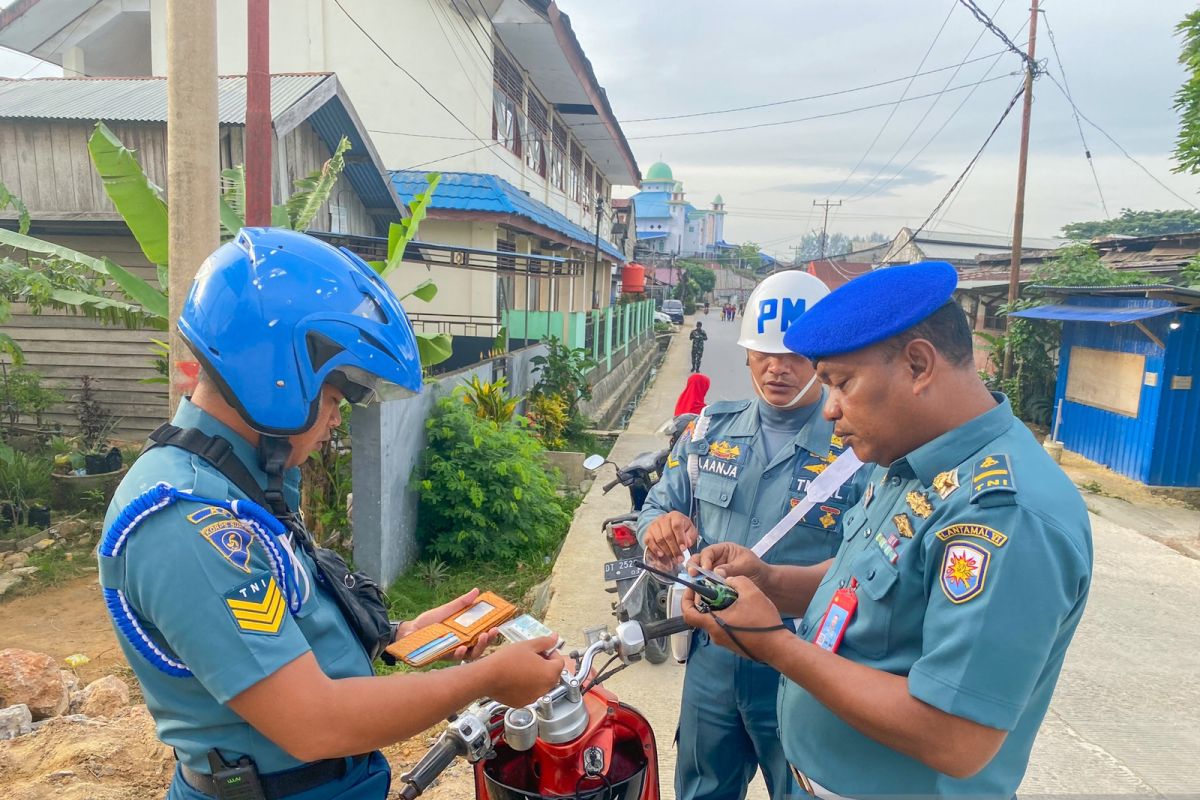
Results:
<point x="872" y="308"/>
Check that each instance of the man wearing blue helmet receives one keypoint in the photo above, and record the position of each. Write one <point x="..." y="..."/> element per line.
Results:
<point x="252" y="646"/>
<point x="931" y="643"/>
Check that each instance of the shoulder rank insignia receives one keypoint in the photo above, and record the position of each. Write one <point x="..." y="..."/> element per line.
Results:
<point x="964" y="568"/>
<point x="919" y="504"/>
<point x="257" y="606"/>
<point x="903" y="525"/>
<point x="945" y="483"/>
<point x="990" y="535"/>
<point x="231" y="540"/>
<point x="836" y="441"/>
<point x="991" y="474"/>
<point x="672" y="461"/>
<point x="820" y="466"/>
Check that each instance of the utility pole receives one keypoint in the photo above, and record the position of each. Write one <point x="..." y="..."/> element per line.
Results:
<point x="258" y="113"/>
<point x="1014" y="267"/>
<point x="825" y="223"/>
<point x="193" y="166"/>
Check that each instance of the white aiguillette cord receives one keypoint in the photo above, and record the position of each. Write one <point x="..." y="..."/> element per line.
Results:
<point x="819" y="490"/>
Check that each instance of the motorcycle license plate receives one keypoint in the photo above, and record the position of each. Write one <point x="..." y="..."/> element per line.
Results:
<point x="620" y="570"/>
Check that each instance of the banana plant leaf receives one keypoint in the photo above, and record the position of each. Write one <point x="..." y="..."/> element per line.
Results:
<point x="402" y="232"/>
<point x="312" y="192"/>
<point x="136" y="198"/>
<point x="434" y="348"/>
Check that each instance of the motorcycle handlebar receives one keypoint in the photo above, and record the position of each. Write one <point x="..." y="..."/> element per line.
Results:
<point x="608" y="486"/>
<point x="432" y="764"/>
<point x="666" y="627"/>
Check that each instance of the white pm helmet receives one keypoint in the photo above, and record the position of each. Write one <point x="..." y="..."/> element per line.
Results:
<point x="776" y="303"/>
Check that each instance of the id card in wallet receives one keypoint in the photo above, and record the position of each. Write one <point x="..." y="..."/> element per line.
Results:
<point x="439" y="640"/>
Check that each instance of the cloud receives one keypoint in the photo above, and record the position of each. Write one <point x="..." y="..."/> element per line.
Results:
<point x="863" y="181"/>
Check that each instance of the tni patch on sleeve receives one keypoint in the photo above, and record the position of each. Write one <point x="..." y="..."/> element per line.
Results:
<point x="257" y="606"/>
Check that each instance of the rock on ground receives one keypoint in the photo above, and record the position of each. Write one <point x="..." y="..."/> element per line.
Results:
<point x="33" y="679"/>
<point x="105" y="697"/>
<point x="15" y="721"/>
<point x="75" y="758"/>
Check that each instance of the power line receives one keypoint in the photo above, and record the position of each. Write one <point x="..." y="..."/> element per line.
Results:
<point x="804" y="99"/>
<point x="1117" y="144"/>
<point x="814" y="116"/>
<point x="971" y="164"/>
<point x="1030" y="64"/>
<point x="1078" y="125"/>
<point x="892" y="113"/>
<point x="929" y="110"/>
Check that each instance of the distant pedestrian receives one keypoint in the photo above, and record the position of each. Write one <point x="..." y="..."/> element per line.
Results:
<point x="691" y="399"/>
<point x="698" y="337"/>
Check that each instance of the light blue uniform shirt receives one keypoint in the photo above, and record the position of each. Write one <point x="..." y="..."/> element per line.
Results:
<point x="202" y="592"/>
<point x="973" y="559"/>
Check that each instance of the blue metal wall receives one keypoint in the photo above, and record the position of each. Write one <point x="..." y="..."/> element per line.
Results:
<point x="1124" y="444"/>
<point x="1176" y="460"/>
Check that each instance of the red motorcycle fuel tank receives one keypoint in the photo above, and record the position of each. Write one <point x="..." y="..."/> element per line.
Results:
<point x="620" y="732"/>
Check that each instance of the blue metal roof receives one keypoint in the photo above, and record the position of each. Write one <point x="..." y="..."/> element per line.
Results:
<point x="1081" y="313"/>
<point x="477" y="191"/>
<point x="652" y="235"/>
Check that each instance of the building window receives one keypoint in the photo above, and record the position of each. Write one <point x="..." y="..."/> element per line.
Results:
<point x="535" y="132"/>
<point x="587" y="184"/>
<point x="558" y="156"/>
<point x="991" y="317"/>
<point x="574" y="176"/>
<point x="602" y="187"/>
<point x="508" y="96"/>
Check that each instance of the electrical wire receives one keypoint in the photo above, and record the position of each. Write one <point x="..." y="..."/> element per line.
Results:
<point x="962" y="176"/>
<point x="1030" y="64"/>
<point x="929" y="110"/>
<point x="816" y="116"/>
<point x="1078" y="125"/>
<point x="1117" y="145"/>
<point x="806" y="98"/>
<point x="903" y="95"/>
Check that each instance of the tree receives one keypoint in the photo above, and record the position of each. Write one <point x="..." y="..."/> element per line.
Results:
<point x="835" y="244"/>
<point x="1187" y="99"/>
<point x="1136" y="223"/>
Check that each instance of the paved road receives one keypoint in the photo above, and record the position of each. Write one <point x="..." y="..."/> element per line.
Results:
<point x="724" y="362"/>
<point x="1125" y="719"/>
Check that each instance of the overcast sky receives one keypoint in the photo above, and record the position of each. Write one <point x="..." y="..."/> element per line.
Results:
<point x="670" y="57"/>
<point x="661" y="58"/>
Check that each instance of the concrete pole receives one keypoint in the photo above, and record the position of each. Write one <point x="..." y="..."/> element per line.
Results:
<point x="193" y="164"/>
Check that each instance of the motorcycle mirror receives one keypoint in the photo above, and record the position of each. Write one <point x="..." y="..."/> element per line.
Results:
<point x="593" y="462"/>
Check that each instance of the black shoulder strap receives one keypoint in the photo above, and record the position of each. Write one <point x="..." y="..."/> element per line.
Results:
<point x="218" y="452"/>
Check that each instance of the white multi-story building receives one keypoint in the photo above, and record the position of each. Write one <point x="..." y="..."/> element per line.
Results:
<point x="496" y="94"/>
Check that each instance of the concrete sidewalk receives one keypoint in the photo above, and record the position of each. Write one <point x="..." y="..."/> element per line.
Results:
<point x="579" y="600"/>
<point x="1125" y="718"/>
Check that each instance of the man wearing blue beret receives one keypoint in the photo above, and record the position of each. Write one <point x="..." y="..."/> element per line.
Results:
<point x="931" y="643"/>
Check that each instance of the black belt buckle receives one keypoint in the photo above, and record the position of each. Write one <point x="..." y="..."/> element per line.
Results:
<point x="237" y="782"/>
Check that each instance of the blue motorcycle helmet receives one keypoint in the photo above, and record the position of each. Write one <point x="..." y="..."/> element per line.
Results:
<point x="274" y="315"/>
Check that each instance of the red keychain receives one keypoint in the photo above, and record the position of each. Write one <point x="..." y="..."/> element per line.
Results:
<point x="837" y="617"/>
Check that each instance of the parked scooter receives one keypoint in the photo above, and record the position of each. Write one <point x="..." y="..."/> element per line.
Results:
<point x="578" y="740"/>
<point x="639" y="597"/>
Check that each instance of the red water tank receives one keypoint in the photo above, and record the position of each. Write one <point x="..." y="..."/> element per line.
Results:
<point x="633" y="278"/>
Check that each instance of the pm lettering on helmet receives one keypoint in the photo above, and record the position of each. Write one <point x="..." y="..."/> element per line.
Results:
<point x="768" y="310"/>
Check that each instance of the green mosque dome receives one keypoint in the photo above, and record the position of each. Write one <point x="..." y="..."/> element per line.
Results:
<point x="659" y="172"/>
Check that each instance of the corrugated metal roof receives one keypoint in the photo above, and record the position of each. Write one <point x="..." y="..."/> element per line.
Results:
<point x="137" y="99"/>
<point x="476" y="191"/>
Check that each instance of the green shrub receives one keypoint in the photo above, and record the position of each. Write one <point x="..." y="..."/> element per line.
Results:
<point x="487" y="493"/>
<point x="489" y="400"/>
<point x="563" y="372"/>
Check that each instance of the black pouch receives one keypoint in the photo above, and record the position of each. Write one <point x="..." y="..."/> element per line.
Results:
<point x="362" y="602"/>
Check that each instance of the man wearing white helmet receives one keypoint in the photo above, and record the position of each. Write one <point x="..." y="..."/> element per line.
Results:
<point x="734" y="474"/>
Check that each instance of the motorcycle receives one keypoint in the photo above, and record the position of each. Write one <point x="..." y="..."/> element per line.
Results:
<point x="578" y="740"/>
<point x="639" y="597"/>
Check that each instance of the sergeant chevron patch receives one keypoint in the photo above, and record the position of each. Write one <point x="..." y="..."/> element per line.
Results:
<point x="257" y="606"/>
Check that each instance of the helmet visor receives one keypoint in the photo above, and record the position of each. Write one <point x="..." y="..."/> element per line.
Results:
<point x="363" y="388"/>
